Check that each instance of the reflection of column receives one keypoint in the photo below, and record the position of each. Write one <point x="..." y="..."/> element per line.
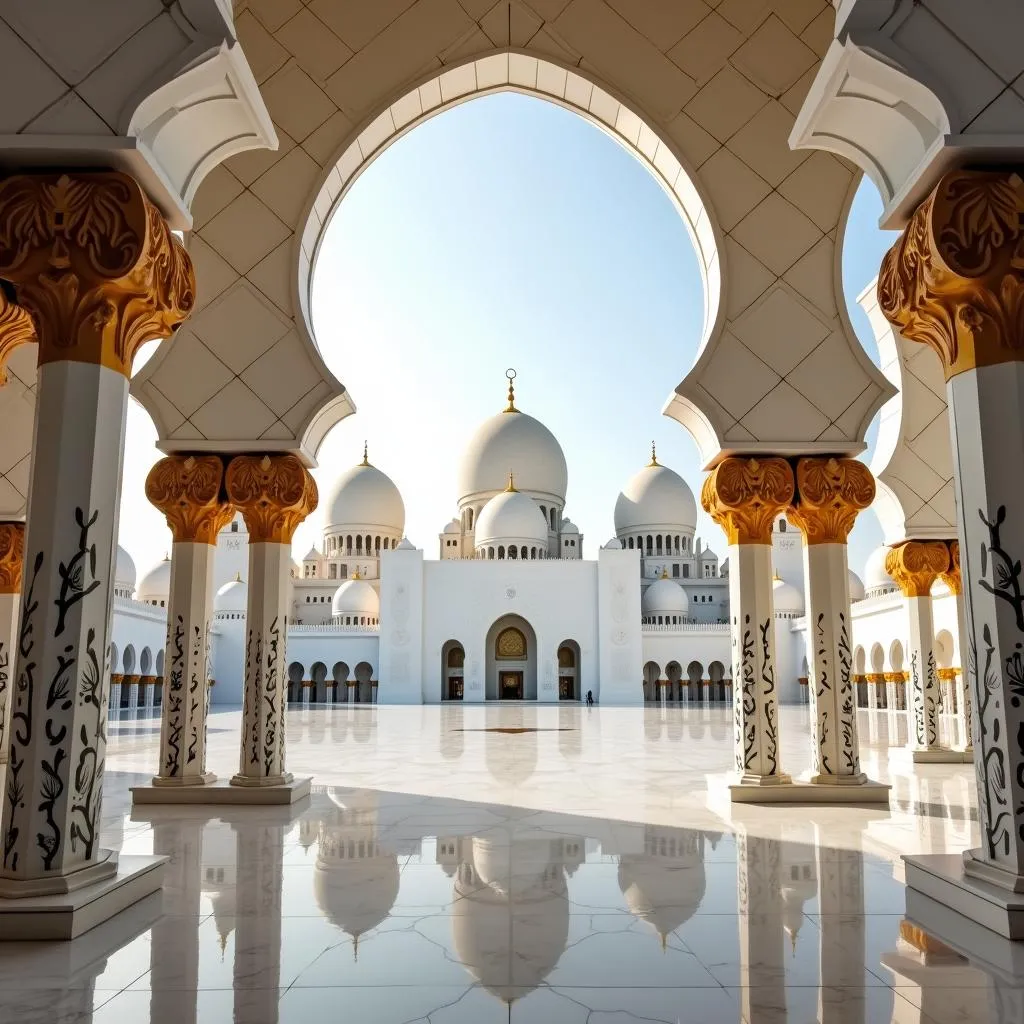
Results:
<point x="99" y="271"/>
<point x="954" y="580"/>
<point x="189" y="490"/>
<point x="744" y="496"/>
<point x="954" y="281"/>
<point x="762" y="948"/>
<point x="351" y="687"/>
<point x="841" y="918"/>
<point x="274" y="493"/>
<point x="12" y="546"/>
<point x="915" y="566"/>
<point x="132" y="682"/>
<point x="831" y="492"/>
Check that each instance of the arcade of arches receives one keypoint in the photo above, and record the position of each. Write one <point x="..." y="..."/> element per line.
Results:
<point x="169" y="171"/>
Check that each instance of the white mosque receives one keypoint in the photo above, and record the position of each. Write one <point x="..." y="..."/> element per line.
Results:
<point x="510" y="609"/>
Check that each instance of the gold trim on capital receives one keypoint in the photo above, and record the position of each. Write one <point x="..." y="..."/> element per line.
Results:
<point x="273" y="492"/>
<point x="947" y="675"/>
<point x="12" y="558"/>
<point x="954" y="280"/>
<point x="189" y="490"/>
<point x="875" y="677"/>
<point x="94" y="264"/>
<point x="830" y="494"/>
<point x="16" y="329"/>
<point x="745" y="495"/>
<point x="916" y="564"/>
<point x="952" y="576"/>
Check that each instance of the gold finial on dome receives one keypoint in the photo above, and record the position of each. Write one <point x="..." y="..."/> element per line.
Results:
<point x="664" y="572"/>
<point x="654" y="456"/>
<point x="776" y="578"/>
<point x="366" y="455"/>
<point x="511" y="489"/>
<point x="357" y="575"/>
<point x="510" y="375"/>
<point x="238" y="577"/>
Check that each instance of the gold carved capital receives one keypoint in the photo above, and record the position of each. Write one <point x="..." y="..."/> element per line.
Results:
<point x="12" y="557"/>
<point x="189" y="490"/>
<point x="16" y="328"/>
<point x="916" y="564"/>
<point x="954" y="280"/>
<point x="875" y="677"/>
<point x="94" y="264"/>
<point x="947" y="675"/>
<point x="893" y="677"/>
<point x="745" y="495"/>
<point x="273" y="492"/>
<point x="952" y="577"/>
<point x="830" y="493"/>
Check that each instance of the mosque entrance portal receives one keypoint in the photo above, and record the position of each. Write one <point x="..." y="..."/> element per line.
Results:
<point x="511" y="685"/>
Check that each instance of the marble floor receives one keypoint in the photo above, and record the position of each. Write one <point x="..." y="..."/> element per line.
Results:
<point x="469" y="865"/>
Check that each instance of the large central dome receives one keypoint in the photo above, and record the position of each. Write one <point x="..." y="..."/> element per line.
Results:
<point x="366" y="497"/>
<point x="656" y="498"/>
<point x="513" y="442"/>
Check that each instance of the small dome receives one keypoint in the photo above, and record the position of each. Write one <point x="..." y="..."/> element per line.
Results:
<point x="664" y="597"/>
<point x="312" y="555"/>
<point x="787" y="598"/>
<point x="511" y="516"/>
<point x="406" y="545"/>
<point x="356" y="597"/>
<point x="613" y="545"/>
<point x="232" y="597"/>
<point x="124" y="571"/>
<point x="453" y="527"/>
<point x="723" y="567"/>
<point x="875" y="576"/>
<point x="707" y="555"/>
<point x="569" y="527"/>
<point x="155" y="585"/>
<point x="364" y="496"/>
<point x="856" y="586"/>
<point x="656" y="498"/>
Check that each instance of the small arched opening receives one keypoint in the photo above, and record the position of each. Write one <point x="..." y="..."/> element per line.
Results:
<point x="652" y="677"/>
<point x="296" y="671"/>
<point x="453" y="667"/>
<point x="569" y="677"/>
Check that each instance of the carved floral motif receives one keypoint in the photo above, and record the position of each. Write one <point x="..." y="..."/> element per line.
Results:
<point x="916" y="564"/>
<point x="12" y="556"/>
<point x="952" y="576"/>
<point x="954" y="280"/>
<point x="273" y="492"/>
<point x="189" y="490"/>
<point x="745" y="495"/>
<point x="830" y="494"/>
<point x="94" y="264"/>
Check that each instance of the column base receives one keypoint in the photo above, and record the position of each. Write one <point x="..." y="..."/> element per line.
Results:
<point x="65" y="916"/>
<point x="942" y="878"/>
<point x="179" y="782"/>
<point x="101" y="870"/>
<point x="816" y="789"/>
<point x="221" y="792"/>
<point x="934" y="755"/>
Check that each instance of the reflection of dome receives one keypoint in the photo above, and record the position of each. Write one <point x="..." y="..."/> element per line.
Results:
<point x="656" y="498"/>
<point x="355" y="893"/>
<point x="788" y="600"/>
<point x="155" y="585"/>
<point x="356" y="597"/>
<point x="232" y="597"/>
<point x="513" y="442"/>
<point x="364" y="496"/>
<point x="507" y="874"/>
<point x="855" y="585"/>
<point x="664" y="597"/>
<point x="124" y="571"/>
<point x="511" y="516"/>
<point x="875" y="576"/>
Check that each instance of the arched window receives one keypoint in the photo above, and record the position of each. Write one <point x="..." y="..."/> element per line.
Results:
<point x="522" y="551"/>
<point x="512" y="551"/>
<point x="554" y="519"/>
<point x="359" y="544"/>
<point x="533" y="552"/>
<point x="657" y="544"/>
<point x="376" y="544"/>
<point x="469" y="519"/>
<point x="630" y="542"/>
<point x="501" y="550"/>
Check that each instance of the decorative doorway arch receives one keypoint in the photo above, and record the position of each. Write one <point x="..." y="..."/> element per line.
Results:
<point x="453" y="666"/>
<point x="570" y="678"/>
<point x="511" y="646"/>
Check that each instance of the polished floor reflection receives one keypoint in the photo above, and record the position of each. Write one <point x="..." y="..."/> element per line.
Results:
<point x="571" y="867"/>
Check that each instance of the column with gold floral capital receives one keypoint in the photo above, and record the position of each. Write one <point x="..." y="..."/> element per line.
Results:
<point x="744" y="495"/>
<point x="953" y="578"/>
<point x="189" y="490"/>
<point x="12" y="554"/>
<point x="96" y="268"/>
<point x="915" y="565"/>
<point x="830" y="493"/>
<point x="274" y="493"/>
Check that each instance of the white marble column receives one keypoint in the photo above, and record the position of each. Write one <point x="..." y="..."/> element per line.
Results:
<point x="189" y="490"/>
<point x="915" y="566"/>
<point x="114" y="703"/>
<point x="744" y="496"/>
<point x="12" y="547"/>
<point x="953" y="578"/>
<point x="955" y="281"/>
<point x="100" y="274"/>
<point x="830" y="494"/>
<point x="274" y="493"/>
<point x="132" y="682"/>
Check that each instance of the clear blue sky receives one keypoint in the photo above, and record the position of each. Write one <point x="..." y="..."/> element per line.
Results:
<point x="509" y="232"/>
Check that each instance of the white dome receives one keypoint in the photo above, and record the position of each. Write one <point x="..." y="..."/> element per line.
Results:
<point x="155" y="585"/>
<point x="513" y="442"/>
<point x="875" y="575"/>
<point x="232" y="597"/>
<point x="453" y="527"/>
<point x="708" y="555"/>
<point x="656" y="498"/>
<point x="613" y="545"/>
<point x="312" y="555"/>
<point x="856" y="586"/>
<point x="406" y="545"/>
<point x="364" y="496"/>
<point x="511" y="516"/>
<point x="124" y="570"/>
<point x="787" y="598"/>
<point x="664" y="597"/>
<point x="568" y="526"/>
<point x="356" y="597"/>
